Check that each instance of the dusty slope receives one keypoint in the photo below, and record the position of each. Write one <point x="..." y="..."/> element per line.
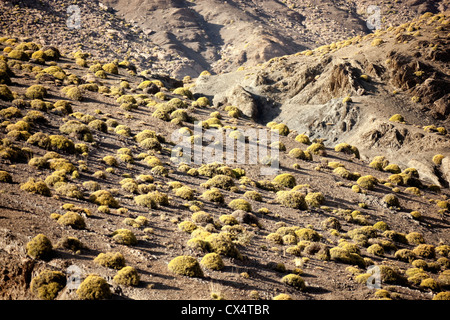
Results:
<point x="399" y="70"/>
<point x="224" y="35"/>
<point x="305" y="247"/>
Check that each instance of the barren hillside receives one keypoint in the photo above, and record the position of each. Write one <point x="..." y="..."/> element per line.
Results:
<point x="99" y="200"/>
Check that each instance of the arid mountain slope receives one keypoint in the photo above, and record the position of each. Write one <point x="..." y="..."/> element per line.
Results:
<point x="223" y="35"/>
<point x="347" y="91"/>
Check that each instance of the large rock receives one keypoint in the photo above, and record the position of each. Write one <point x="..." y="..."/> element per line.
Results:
<point x="240" y="98"/>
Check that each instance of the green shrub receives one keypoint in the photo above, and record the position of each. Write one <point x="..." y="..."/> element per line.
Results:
<point x="5" y="95"/>
<point x="302" y="138"/>
<point x="124" y="236"/>
<point x="297" y="153"/>
<point x="73" y="220"/>
<point x="127" y="276"/>
<point x="213" y="195"/>
<point x="314" y="199"/>
<point x="62" y="143"/>
<point x="5" y="177"/>
<point x="292" y="199"/>
<point x="346" y="148"/>
<point x="286" y="180"/>
<point x="212" y="261"/>
<point x="18" y="55"/>
<point x="295" y="281"/>
<point x="111" y="68"/>
<point x="183" y="92"/>
<point x="104" y="198"/>
<point x="73" y="93"/>
<point x="367" y="182"/>
<point x="70" y="243"/>
<point x="283" y="129"/>
<point x="415" y="238"/>
<point x="425" y="251"/>
<point x="392" y="168"/>
<point x="94" y="287"/>
<point x="240" y="204"/>
<point x="344" y="255"/>
<point x="186" y="266"/>
<point x="391" y="200"/>
<point x="40" y="247"/>
<point x="222" y="243"/>
<point x="47" y="284"/>
<point x="36" y="187"/>
<point x="36" y="92"/>
<point x="397" y="118"/>
<point x="316" y="148"/>
<point x="113" y="260"/>
<point x="77" y="129"/>
<point x="220" y="181"/>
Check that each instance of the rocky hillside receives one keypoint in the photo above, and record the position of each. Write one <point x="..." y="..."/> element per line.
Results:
<point x="386" y="93"/>
<point x="187" y="37"/>
<point x="95" y="204"/>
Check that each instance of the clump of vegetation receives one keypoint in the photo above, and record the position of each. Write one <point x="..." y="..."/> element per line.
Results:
<point x="72" y="219"/>
<point x="391" y="200"/>
<point x="347" y="148"/>
<point x="94" y="287"/>
<point x="397" y="118"/>
<point x="47" y="284"/>
<point x="302" y="138"/>
<point x="113" y="260"/>
<point x="36" y="92"/>
<point x="5" y="177"/>
<point x="36" y="187"/>
<point x="316" y="148"/>
<point x="295" y="281"/>
<point x="213" y="195"/>
<point x="220" y="181"/>
<point x="425" y="251"/>
<point x="104" y="198"/>
<point x="345" y="255"/>
<point x="367" y="182"/>
<point x="40" y="247"/>
<point x="5" y="95"/>
<point x="186" y="266"/>
<point x="127" y="276"/>
<point x="286" y="180"/>
<point x="212" y="261"/>
<point x="124" y="236"/>
<point x="314" y="199"/>
<point x="240" y="204"/>
<point x="221" y="243"/>
<point x="292" y="199"/>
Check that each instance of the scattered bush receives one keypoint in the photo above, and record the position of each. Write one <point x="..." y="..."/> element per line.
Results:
<point x="127" y="276"/>
<point x="346" y="148"/>
<point x="6" y="95"/>
<point x="286" y="180"/>
<point x="186" y="266"/>
<point x="113" y="260"/>
<point x="36" y="187"/>
<point x="212" y="261"/>
<point x="104" y="198"/>
<point x="391" y="200"/>
<point x="292" y="199"/>
<point x="124" y="236"/>
<point x="39" y="247"/>
<point x="47" y="284"/>
<point x="94" y="287"/>
<point x="36" y="92"/>
<point x="5" y="177"/>
<point x="240" y="204"/>
<point x="73" y="220"/>
<point x="295" y="281"/>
